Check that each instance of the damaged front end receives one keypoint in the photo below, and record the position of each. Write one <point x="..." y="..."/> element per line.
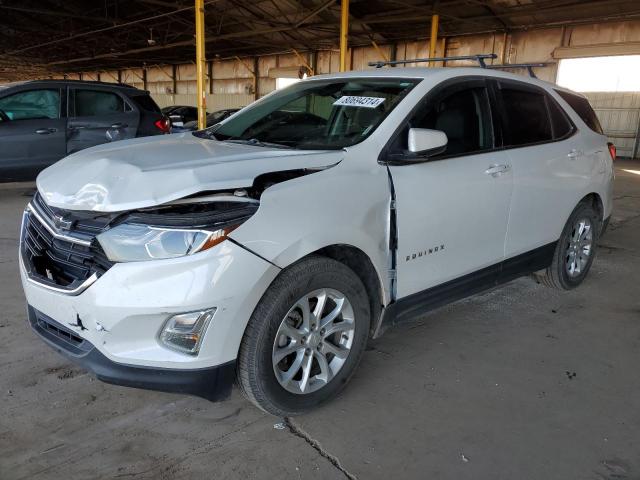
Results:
<point x="68" y="250"/>
<point x="58" y="248"/>
<point x="173" y="231"/>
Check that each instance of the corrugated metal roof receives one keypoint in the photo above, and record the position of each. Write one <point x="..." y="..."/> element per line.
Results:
<point x="76" y="35"/>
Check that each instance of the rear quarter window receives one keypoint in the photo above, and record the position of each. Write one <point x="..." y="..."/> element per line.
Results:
<point x="562" y="126"/>
<point x="581" y="106"/>
<point x="146" y="103"/>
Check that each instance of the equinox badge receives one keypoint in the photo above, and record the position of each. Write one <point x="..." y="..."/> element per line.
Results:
<point x="424" y="253"/>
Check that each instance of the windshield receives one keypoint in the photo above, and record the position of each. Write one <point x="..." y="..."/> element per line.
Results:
<point x="317" y="114"/>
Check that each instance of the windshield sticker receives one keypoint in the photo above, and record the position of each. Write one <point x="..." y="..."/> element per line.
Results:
<point x="364" y="102"/>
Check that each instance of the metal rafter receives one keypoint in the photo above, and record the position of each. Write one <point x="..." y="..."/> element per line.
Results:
<point x="78" y="35"/>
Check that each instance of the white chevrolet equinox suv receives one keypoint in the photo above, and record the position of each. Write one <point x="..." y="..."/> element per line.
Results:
<point x="266" y="250"/>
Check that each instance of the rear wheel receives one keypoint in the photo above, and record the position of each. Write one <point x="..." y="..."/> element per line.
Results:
<point x="305" y="337"/>
<point x="575" y="250"/>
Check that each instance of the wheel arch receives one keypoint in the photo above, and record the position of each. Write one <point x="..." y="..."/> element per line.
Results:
<point x="360" y="263"/>
<point x="595" y="200"/>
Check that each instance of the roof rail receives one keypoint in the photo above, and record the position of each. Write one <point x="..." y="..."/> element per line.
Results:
<point x="528" y="66"/>
<point x="478" y="58"/>
<point x="74" y="81"/>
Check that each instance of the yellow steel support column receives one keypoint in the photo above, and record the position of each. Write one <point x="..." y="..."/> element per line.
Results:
<point x="344" y="35"/>
<point x="433" y="39"/>
<point x="382" y="54"/>
<point x="310" y="71"/>
<point x="200" y="66"/>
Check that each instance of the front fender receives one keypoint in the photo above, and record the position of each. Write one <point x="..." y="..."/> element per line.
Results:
<point x="343" y="205"/>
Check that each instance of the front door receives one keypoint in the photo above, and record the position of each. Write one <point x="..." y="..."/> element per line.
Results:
<point x="98" y="116"/>
<point x="452" y="209"/>
<point x="32" y="133"/>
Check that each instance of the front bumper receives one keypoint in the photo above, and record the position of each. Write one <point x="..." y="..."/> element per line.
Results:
<point x="212" y="383"/>
<point x="123" y="312"/>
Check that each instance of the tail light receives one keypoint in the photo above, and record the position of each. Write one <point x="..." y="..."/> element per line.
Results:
<point x="164" y="125"/>
<point x="612" y="151"/>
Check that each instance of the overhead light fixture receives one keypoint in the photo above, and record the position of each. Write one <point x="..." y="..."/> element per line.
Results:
<point x="151" y="40"/>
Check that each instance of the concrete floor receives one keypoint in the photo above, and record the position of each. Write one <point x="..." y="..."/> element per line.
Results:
<point x="519" y="383"/>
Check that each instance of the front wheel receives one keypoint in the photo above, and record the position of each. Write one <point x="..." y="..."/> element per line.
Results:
<point x="305" y="337"/>
<point x="575" y="250"/>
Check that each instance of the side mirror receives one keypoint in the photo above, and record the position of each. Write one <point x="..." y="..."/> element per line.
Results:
<point x="427" y="142"/>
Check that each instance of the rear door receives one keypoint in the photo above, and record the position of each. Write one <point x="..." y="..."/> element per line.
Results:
<point x="550" y="166"/>
<point x="452" y="209"/>
<point x="32" y="132"/>
<point x="98" y="116"/>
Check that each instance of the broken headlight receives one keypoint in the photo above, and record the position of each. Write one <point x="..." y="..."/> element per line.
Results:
<point x="172" y="232"/>
<point x="134" y="243"/>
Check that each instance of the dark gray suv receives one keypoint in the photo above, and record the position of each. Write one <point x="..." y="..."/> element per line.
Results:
<point x="42" y="121"/>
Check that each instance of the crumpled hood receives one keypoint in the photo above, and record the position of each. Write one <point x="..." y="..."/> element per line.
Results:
<point x="149" y="171"/>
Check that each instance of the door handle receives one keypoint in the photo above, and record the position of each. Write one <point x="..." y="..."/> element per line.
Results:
<point x="497" y="170"/>
<point x="45" y="131"/>
<point x="119" y="125"/>
<point x="575" y="153"/>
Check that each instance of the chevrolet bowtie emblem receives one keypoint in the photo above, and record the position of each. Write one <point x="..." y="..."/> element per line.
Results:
<point x="62" y="223"/>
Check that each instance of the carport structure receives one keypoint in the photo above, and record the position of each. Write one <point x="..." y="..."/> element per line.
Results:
<point x="521" y="382"/>
<point x="249" y="45"/>
<point x="75" y="37"/>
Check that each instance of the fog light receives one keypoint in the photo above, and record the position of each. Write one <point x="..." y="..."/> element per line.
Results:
<point x="184" y="332"/>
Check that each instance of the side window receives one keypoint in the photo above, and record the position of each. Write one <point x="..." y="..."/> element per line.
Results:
<point x="581" y="106"/>
<point x="560" y="123"/>
<point x="31" y="104"/>
<point x="145" y="102"/>
<point x="463" y="114"/>
<point x="527" y="119"/>
<point x="93" y="103"/>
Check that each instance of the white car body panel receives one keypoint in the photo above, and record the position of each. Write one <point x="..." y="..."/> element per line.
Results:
<point x="132" y="301"/>
<point x="344" y="205"/>
<point x="452" y="219"/>
<point x="343" y="199"/>
<point x="150" y="171"/>
<point x="546" y="184"/>
<point x="550" y="181"/>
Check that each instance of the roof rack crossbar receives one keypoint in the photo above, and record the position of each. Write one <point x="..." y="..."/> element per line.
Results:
<point x="528" y="66"/>
<point x="478" y="58"/>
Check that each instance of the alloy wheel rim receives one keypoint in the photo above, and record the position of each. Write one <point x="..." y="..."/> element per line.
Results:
<point x="313" y="341"/>
<point x="579" y="247"/>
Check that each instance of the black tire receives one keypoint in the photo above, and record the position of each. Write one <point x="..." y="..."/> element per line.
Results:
<point x="557" y="275"/>
<point x="255" y="370"/>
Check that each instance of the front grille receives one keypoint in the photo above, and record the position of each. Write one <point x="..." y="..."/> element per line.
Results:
<point x="63" y="258"/>
<point x="86" y="225"/>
